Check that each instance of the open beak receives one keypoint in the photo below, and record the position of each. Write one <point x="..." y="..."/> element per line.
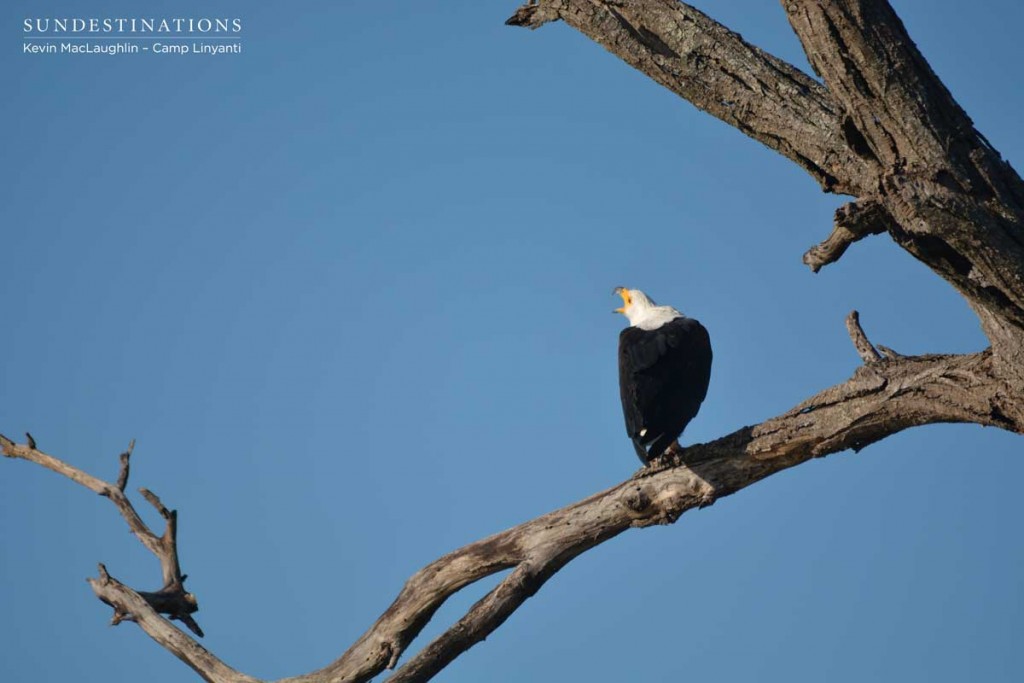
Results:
<point x="624" y="293"/>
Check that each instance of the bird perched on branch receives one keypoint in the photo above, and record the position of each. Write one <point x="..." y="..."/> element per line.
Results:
<point x="664" y="370"/>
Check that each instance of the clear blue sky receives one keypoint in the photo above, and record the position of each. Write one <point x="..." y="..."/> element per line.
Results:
<point x="350" y="292"/>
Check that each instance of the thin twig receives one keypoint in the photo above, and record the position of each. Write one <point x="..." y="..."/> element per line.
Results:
<point x="865" y="350"/>
<point x="122" y="475"/>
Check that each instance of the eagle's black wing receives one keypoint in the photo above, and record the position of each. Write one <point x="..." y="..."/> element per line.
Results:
<point x="663" y="378"/>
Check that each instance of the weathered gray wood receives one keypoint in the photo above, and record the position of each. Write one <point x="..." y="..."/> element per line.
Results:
<point x="172" y="598"/>
<point x="956" y="204"/>
<point x="717" y="71"/>
<point x="131" y="606"/>
<point x="882" y="398"/>
<point x="865" y="349"/>
<point x="884" y="129"/>
<point x="853" y="222"/>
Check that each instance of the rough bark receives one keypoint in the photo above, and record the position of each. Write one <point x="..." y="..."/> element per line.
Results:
<point x="853" y="222"/>
<point x="717" y="71"/>
<point x="882" y="129"/>
<point x="955" y="203"/>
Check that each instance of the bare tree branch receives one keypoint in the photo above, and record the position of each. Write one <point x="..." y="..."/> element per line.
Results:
<point x="881" y="399"/>
<point x="715" y="69"/>
<point x="853" y="222"/>
<point x="485" y="616"/>
<point x="122" y="476"/>
<point x="172" y="598"/>
<point x="956" y="205"/>
<point x="131" y="606"/>
<point x="865" y="350"/>
<point x="884" y="129"/>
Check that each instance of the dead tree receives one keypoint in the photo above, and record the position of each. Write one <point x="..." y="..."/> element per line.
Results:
<point x="880" y="128"/>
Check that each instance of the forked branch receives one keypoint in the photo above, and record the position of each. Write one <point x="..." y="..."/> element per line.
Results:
<point x="955" y="203"/>
<point x="172" y="598"/>
<point x="132" y="606"/>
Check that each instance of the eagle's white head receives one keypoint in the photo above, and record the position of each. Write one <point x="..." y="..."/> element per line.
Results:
<point x="642" y="312"/>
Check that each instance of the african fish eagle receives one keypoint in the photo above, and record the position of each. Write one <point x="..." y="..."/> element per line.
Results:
<point x="664" y="370"/>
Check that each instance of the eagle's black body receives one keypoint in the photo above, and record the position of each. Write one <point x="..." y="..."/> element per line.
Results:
<point x="663" y="378"/>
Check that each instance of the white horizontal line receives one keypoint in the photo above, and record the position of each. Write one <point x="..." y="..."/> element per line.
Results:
<point x="131" y="37"/>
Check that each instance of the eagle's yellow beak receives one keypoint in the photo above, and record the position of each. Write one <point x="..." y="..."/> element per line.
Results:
<point x="624" y="293"/>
